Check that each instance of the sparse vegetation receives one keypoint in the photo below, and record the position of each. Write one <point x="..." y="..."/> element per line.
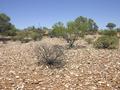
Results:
<point x="58" y="65"/>
<point x="28" y="34"/>
<point x="74" y="29"/>
<point x="109" y="32"/>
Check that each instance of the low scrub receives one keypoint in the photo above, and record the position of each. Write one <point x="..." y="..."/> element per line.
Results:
<point x="107" y="42"/>
<point x="51" y="56"/>
<point x="109" y="32"/>
<point x="26" y="36"/>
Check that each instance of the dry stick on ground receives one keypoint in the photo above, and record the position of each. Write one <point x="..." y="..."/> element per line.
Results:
<point x="51" y="56"/>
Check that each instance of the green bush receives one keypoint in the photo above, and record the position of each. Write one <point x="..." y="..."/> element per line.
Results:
<point x="57" y="33"/>
<point x="19" y="37"/>
<point x="35" y="36"/>
<point x="107" y="42"/>
<point x="58" y="30"/>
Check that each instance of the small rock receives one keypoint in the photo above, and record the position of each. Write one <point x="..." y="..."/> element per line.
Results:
<point x="17" y="77"/>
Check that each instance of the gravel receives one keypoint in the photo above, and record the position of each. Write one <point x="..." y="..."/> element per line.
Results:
<point x="86" y="68"/>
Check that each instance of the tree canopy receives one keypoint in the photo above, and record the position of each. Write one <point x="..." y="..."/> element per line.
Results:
<point x="6" y="27"/>
<point x="85" y="24"/>
<point x="111" y="26"/>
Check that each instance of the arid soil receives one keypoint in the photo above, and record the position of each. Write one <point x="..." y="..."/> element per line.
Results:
<point x="86" y="68"/>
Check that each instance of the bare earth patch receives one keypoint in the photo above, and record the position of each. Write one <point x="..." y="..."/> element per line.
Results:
<point x="85" y="69"/>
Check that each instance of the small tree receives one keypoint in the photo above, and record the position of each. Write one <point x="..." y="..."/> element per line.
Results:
<point x="71" y="34"/>
<point x="86" y="25"/>
<point x="70" y="38"/>
<point x="58" y="30"/>
<point x="111" y="26"/>
<point x="6" y="28"/>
